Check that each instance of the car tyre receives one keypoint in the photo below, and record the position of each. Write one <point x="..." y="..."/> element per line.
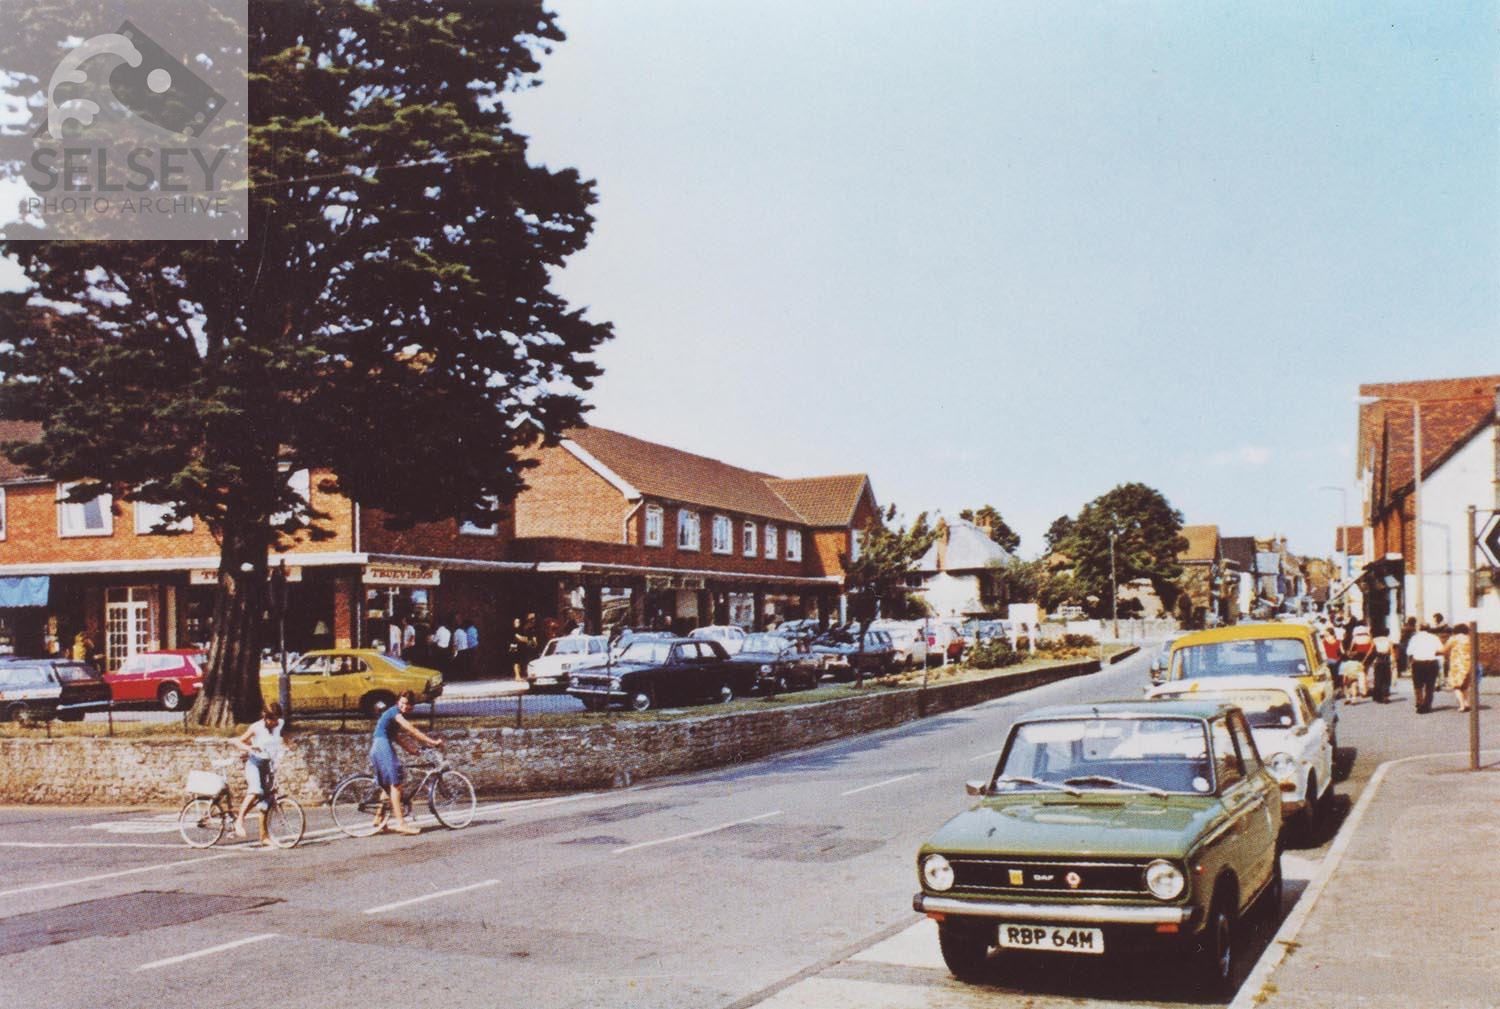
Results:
<point x="170" y="696"/>
<point x="642" y="700"/>
<point x="22" y="714"/>
<point x="1214" y="956"/>
<point x="965" y="949"/>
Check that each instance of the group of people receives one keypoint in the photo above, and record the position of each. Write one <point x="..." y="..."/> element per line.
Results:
<point x="1367" y="662"/>
<point x="448" y="645"/>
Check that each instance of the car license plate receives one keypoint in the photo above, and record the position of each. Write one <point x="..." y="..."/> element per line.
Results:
<point x="1052" y="937"/>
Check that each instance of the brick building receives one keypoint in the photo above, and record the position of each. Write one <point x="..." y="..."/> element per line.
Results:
<point x="623" y="530"/>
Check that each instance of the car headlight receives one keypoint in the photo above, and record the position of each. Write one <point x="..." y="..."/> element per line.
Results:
<point x="1283" y="765"/>
<point x="614" y="683"/>
<point x="937" y="873"/>
<point x="765" y="670"/>
<point x="1164" y="880"/>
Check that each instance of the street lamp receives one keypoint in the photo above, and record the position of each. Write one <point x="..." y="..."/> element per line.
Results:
<point x="1416" y="497"/>
<point x="1114" y="592"/>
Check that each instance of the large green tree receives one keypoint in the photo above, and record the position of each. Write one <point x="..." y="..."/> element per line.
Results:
<point x="1147" y="541"/>
<point x="389" y="319"/>
<point x="989" y="516"/>
<point x="875" y="580"/>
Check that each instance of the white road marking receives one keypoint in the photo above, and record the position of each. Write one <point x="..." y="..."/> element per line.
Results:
<point x="695" y="833"/>
<point x="430" y="896"/>
<point x="162" y="823"/>
<point x="113" y="875"/>
<point x="159" y="845"/>
<point x="988" y="756"/>
<point x="878" y="784"/>
<point x="206" y="952"/>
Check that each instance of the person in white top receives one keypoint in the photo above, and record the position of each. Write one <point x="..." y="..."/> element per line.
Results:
<point x="262" y="746"/>
<point x="1422" y="651"/>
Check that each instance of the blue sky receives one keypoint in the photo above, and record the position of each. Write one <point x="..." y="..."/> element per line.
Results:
<point x="1020" y="253"/>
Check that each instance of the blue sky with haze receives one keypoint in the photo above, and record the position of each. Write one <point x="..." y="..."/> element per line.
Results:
<point x="1020" y="253"/>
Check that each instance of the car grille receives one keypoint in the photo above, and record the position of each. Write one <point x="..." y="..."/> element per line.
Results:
<point x="1118" y="878"/>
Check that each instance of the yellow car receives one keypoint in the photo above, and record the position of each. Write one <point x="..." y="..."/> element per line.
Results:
<point x="350" y="679"/>
<point x="1259" y="650"/>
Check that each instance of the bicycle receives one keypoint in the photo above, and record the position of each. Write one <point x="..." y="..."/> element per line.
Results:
<point x="360" y="806"/>
<point x="206" y="816"/>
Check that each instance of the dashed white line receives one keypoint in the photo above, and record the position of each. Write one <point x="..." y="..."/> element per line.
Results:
<point x="987" y="756"/>
<point x="878" y="784"/>
<point x="430" y="896"/>
<point x="694" y="833"/>
<point x="207" y="952"/>
<point x="112" y="875"/>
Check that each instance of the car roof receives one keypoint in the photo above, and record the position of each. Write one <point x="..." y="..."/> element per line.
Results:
<point x="1245" y="632"/>
<point x="1142" y="708"/>
<point x="1215" y="684"/>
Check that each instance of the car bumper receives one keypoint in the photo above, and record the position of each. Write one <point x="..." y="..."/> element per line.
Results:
<point x="597" y="691"/>
<point x="1144" y="915"/>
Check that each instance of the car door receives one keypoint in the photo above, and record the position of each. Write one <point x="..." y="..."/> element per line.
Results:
<point x="1259" y="806"/>
<point x="1319" y="740"/>
<point x="128" y="683"/>
<point x="676" y="678"/>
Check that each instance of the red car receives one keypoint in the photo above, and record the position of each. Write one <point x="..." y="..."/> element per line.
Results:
<point x="169" y="678"/>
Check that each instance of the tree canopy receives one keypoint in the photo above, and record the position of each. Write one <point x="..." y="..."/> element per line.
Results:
<point x="389" y="319"/>
<point x="1147" y="541"/>
<point x="1000" y="532"/>
<point x="876" y="579"/>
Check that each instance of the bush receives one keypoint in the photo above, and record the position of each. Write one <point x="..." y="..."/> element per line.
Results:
<point x="994" y="653"/>
<point x="1068" y="644"/>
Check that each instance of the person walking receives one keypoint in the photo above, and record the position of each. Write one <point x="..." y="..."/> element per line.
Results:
<point x="1423" y="651"/>
<point x="1382" y="656"/>
<point x="459" y="649"/>
<point x="392" y="730"/>
<point x="1459" y="653"/>
<point x="438" y="644"/>
<point x="261" y="744"/>
<point x="1403" y="661"/>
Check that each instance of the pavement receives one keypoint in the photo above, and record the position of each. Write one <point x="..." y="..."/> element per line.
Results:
<point x="1403" y="910"/>
<point x="479" y="689"/>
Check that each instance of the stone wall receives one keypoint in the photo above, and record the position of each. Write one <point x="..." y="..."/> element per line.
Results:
<point x="608" y="754"/>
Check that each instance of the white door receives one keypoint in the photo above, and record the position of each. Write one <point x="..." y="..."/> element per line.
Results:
<point x="127" y="625"/>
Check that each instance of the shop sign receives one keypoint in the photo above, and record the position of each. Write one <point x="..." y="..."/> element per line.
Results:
<point x="401" y="574"/>
<point x="210" y="576"/>
<point x="661" y="583"/>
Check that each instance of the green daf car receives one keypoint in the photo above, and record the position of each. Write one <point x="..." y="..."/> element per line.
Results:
<point x="1118" y="827"/>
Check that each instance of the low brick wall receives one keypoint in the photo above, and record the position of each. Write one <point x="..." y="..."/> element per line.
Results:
<point x="608" y="754"/>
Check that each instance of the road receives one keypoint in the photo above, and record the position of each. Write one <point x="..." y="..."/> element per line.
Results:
<point x="784" y="882"/>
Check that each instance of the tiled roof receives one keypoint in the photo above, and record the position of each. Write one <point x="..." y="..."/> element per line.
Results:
<point x="968" y="548"/>
<point x="673" y="475"/>
<point x="1203" y="543"/>
<point x="1453" y="410"/>
<point x="1354" y="536"/>
<point x="17" y="430"/>
<point x="823" y="501"/>
<point x="1239" y="549"/>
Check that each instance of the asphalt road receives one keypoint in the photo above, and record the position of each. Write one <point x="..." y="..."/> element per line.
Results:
<point x="785" y="882"/>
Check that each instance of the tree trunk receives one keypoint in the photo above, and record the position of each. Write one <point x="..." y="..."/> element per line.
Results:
<point x="231" y="679"/>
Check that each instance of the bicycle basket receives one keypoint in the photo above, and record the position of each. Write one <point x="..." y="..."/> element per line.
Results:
<point x="204" y="783"/>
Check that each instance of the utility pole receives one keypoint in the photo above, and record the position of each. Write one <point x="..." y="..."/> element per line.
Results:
<point x="1114" y="592"/>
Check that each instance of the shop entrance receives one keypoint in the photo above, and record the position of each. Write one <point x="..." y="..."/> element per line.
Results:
<point x="129" y="616"/>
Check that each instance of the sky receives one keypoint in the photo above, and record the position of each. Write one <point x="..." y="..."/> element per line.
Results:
<point x="1020" y="253"/>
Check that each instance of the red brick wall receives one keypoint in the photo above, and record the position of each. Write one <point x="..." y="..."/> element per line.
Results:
<point x="567" y="500"/>
<point x="435" y="539"/>
<point x="830" y="543"/>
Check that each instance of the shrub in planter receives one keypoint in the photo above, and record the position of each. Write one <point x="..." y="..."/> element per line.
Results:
<point x="993" y="654"/>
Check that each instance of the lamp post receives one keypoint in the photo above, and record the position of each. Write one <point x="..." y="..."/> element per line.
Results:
<point x="1114" y="592"/>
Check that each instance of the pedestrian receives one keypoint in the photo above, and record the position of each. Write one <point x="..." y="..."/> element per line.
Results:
<point x="408" y="638"/>
<point x="262" y="745"/>
<point x="1382" y="654"/>
<point x="393" y="639"/>
<point x="392" y="730"/>
<point x="458" y="648"/>
<point x="1333" y="649"/>
<point x="438" y="644"/>
<point x="1459" y="653"/>
<point x="1360" y="646"/>
<point x="1423" y="651"/>
<point x="1403" y="661"/>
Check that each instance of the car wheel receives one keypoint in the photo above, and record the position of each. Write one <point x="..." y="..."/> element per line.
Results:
<point x="965" y="948"/>
<point x="1214" y="956"/>
<point x="1322" y="821"/>
<point x="641" y="700"/>
<point x="374" y="705"/>
<point x="21" y="714"/>
<point x="170" y="696"/>
<point x="1270" y="898"/>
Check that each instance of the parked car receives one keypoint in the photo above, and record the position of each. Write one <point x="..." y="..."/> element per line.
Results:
<point x="779" y="663"/>
<point x="843" y="656"/>
<point x="83" y="689"/>
<point x="560" y="656"/>
<point x="29" y="692"/>
<point x="907" y="639"/>
<point x="653" y="673"/>
<point x="1163" y="658"/>
<point x="338" y="679"/>
<point x="1293" y="740"/>
<point x="1112" y="828"/>
<point x="728" y="635"/>
<point x="1261" y="650"/>
<point x="945" y="640"/>
<point x="170" y="678"/>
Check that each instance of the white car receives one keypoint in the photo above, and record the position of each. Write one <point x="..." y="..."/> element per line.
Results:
<point x="728" y="635"/>
<point x="1293" y="739"/>
<point x="563" y="656"/>
<point x="910" y="641"/>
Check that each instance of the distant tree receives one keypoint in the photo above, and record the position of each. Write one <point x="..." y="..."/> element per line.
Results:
<point x="1001" y="533"/>
<point x="389" y="320"/>
<point x="1058" y="532"/>
<point x="1147" y="541"/>
<point x="875" y="581"/>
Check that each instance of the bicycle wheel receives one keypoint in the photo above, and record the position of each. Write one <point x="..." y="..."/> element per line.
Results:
<point x="357" y="802"/>
<point x="201" y="822"/>
<point x="451" y="798"/>
<point x="285" y="822"/>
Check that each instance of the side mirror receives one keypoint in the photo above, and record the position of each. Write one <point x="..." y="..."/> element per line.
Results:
<point x="976" y="787"/>
<point x="1158" y="676"/>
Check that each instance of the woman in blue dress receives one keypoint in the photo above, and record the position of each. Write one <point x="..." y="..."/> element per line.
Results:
<point x="391" y="730"/>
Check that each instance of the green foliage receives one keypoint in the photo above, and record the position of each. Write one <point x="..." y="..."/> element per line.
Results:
<point x="1147" y="541"/>
<point x="1058" y="533"/>
<point x="1068" y="643"/>
<point x="1000" y="532"/>
<point x="877" y="579"/>
<point x="993" y="653"/>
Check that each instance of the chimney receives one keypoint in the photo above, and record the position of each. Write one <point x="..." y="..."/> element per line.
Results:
<point x="942" y="544"/>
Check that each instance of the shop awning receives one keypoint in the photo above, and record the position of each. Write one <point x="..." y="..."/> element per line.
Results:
<point x="27" y="591"/>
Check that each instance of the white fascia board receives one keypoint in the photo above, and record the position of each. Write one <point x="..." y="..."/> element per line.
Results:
<point x="610" y="476"/>
<point x="172" y="564"/>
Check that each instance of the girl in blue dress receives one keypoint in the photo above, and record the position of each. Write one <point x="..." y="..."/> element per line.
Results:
<point x="393" y="729"/>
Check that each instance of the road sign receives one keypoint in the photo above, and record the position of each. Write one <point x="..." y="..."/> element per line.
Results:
<point x="1488" y="540"/>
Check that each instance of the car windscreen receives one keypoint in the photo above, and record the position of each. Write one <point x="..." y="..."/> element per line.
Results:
<point x="75" y="672"/>
<point x="766" y="643"/>
<point x="1258" y="656"/>
<point x="1170" y="754"/>
<point x="649" y="653"/>
<point x="1264" y="709"/>
<point x="578" y="645"/>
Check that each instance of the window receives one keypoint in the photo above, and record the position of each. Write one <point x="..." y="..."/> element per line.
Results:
<point x="794" y="544"/>
<point x="84" y="518"/>
<point x="492" y="528"/>
<point x="770" y="541"/>
<point x="722" y="528"/>
<point x="151" y="517"/>
<point x="749" y="539"/>
<point x="856" y="538"/>
<point x="653" y="525"/>
<point x="1227" y="767"/>
<point x="687" y="529"/>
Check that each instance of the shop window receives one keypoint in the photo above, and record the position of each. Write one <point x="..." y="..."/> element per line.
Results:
<point x="93" y="517"/>
<point x="721" y="534"/>
<point x="492" y="502"/>
<point x="749" y="541"/>
<point x="794" y="544"/>
<point x="771" y="541"/>
<point x="688" y="531"/>
<point x="653" y="525"/>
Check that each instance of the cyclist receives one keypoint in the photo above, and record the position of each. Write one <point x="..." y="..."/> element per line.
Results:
<point x="262" y="745"/>
<point x="393" y="729"/>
